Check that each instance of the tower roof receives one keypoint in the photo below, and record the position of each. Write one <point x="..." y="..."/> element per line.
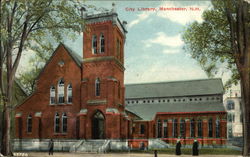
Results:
<point x="105" y="17"/>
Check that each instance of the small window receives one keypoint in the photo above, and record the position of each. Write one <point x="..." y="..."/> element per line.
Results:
<point x="61" y="91"/>
<point x="69" y="93"/>
<point x="163" y="100"/>
<point x="29" y="124"/>
<point x="148" y="101"/>
<point x="174" y="100"/>
<point x="142" y="129"/>
<point x="183" y="100"/>
<point x="102" y="44"/>
<point x="94" y="44"/>
<point x="200" y="99"/>
<point x="230" y="105"/>
<point x="159" y="100"/>
<point x="152" y="100"/>
<point x="137" y="101"/>
<point x="64" y="123"/>
<point x="144" y="101"/>
<point x="57" y="123"/>
<point x="52" y="95"/>
<point x="132" y="102"/>
<point x="97" y="87"/>
<point x="190" y="99"/>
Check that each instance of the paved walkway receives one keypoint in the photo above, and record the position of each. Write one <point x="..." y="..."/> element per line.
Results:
<point x="57" y="154"/>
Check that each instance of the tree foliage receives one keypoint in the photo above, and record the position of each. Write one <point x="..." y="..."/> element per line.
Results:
<point x="209" y="42"/>
<point x="223" y="40"/>
<point x="30" y="25"/>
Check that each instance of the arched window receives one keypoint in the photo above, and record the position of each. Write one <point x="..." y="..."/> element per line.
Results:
<point x="64" y="123"/>
<point x="210" y="127"/>
<point x="200" y="128"/>
<point x="29" y="124"/>
<point x="165" y="128"/>
<point x="61" y="91"/>
<point x="192" y="128"/>
<point x="159" y="128"/>
<point x="52" y="95"/>
<point x="119" y="90"/>
<point x="102" y="44"/>
<point x="182" y="128"/>
<point x="94" y="44"/>
<point x="69" y="93"/>
<point x="57" y="123"/>
<point x="175" y="124"/>
<point x="217" y="130"/>
<point x="142" y="129"/>
<point x="97" y="87"/>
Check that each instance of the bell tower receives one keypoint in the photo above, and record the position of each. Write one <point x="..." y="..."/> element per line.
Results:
<point x="102" y="87"/>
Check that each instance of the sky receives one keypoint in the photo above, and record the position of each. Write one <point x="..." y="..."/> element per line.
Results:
<point x="154" y="48"/>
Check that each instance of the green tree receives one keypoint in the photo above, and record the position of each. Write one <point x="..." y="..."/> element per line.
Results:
<point x="24" y="25"/>
<point x="222" y="40"/>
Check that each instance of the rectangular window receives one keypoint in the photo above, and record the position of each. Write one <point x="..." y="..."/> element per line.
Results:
<point x="165" y="128"/>
<point x="159" y="128"/>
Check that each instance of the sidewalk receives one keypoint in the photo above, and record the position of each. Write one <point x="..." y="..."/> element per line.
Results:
<point x="59" y="154"/>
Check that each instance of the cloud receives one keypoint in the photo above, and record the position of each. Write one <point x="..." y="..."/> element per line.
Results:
<point x="164" y="40"/>
<point x="159" y="73"/>
<point x="140" y="18"/>
<point x="171" y="51"/>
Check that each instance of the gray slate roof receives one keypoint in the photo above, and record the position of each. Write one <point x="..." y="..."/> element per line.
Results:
<point x="148" y="111"/>
<point x="77" y="58"/>
<point x="174" y="89"/>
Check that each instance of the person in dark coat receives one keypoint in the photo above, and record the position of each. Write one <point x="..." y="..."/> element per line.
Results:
<point x="178" y="148"/>
<point x="51" y="147"/>
<point x="195" y="148"/>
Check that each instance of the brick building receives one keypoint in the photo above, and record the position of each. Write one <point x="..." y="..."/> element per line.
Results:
<point x="84" y="97"/>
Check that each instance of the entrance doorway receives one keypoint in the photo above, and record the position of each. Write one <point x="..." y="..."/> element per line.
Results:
<point x="98" y="126"/>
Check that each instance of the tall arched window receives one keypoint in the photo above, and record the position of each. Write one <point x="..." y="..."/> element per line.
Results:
<point x="64" y="123"/>
<point x="175" y="124"/>
<point x="61" y="91"/>
<point x="52" y="95"/>
<point x="217" y="130"/>
<point x="210" y="127"/>
<point x="200" y="128"/>
<point x="182" y="128"/>
<point x="192" y="128"/>
<point x="29" y="124"/>
<point x="69" y="93"/>
<point x="102" y="44"/>
<point x="57" y="123"/>
<point x="97" y="87"/>
<point x="94" y="44"/>
<point x="159" y="128"/>
<point x="165" y="128"/>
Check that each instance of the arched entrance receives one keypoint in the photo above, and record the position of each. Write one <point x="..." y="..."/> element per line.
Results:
<point x="98" y="123"/>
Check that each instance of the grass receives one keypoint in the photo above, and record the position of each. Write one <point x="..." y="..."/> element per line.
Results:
<point x="188" y="151"/>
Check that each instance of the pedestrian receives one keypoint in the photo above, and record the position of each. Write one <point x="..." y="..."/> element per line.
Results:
<point x="195" y="148"/>
<point x="178" y="148"/>
<point x="51" y="146"/>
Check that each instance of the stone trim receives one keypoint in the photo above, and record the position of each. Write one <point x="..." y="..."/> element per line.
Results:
<point x="38" y="114"/>
<point x="96" y="102"/>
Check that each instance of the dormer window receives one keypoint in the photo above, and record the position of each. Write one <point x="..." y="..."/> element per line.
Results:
<point x="102" y="44"/>
<point x="94" y="44"/>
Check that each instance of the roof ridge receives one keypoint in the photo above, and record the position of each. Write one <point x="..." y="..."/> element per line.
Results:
<point x="177" y="81"/>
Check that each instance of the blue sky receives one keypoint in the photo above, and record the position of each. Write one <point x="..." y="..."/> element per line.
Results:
<point x="154" y="49"/>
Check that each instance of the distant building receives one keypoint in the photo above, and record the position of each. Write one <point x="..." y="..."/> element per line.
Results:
<point x="234" y="114"/>
<point x="85" y="98"/>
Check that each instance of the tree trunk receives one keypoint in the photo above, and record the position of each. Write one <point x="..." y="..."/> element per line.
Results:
<point x="245" y="87"/>
<point x="6" y="130"/>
